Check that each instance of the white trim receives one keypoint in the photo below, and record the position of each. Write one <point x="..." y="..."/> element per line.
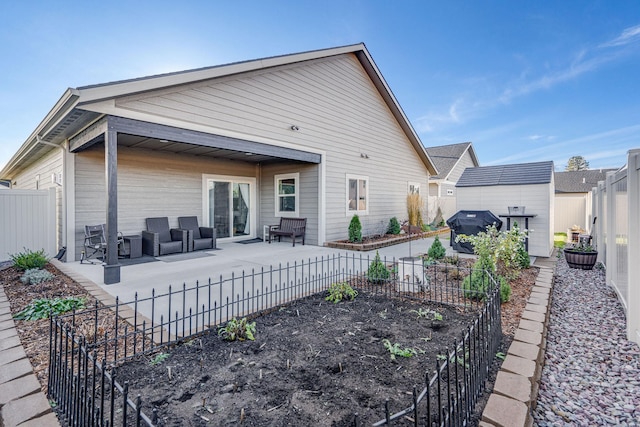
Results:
<point x="296" y="194"/>
<point x="322" y="200"/>
<point x="69" y="203"/>
<point x="253" y="199"/>
<point x="367" y="201"/>
<point x="449" y="192"/>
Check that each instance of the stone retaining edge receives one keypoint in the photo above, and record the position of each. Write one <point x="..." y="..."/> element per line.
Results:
<point x="516" y="387"/>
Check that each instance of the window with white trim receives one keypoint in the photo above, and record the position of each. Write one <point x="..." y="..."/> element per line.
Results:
<point x="357" y="194"/>
<point x="287" y="194"/>
<point x="413" y="188"/>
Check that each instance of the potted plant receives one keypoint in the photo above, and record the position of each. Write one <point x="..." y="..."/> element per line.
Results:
<point x="582" y="256"/>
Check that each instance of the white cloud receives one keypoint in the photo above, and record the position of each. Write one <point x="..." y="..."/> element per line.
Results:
<point x="430" y="121"/>
<point x="629" y="35"/>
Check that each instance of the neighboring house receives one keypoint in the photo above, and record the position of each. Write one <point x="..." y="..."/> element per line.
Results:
<point x="317" y="135"/>
<point x="573" y="198"/>
<point x="450" y="161"/>
<point x="495" y="188"/>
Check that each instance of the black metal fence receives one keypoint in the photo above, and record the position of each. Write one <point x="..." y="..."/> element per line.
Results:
<point x="86" y="347"/>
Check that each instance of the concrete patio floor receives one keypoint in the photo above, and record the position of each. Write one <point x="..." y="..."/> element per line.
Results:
<point x="229" y="258"/>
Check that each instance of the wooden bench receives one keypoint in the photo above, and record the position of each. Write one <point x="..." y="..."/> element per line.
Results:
<point x="292" y="227"/>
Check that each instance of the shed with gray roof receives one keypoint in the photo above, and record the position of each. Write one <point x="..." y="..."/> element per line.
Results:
<point x="530" y="185"/>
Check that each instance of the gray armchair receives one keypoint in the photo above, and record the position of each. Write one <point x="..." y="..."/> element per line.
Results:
<point x="159" y="239"/>
<point x="198" y="237"/>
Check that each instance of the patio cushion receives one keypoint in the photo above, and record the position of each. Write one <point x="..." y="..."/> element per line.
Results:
<point x="161" y="226"/>
<point x="190" y="223"/>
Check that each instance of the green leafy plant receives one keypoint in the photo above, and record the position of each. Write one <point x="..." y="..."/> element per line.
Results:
<point x="505" y="290"/>
<point x="378" y="272"/>
<point x="29" y="259"/>
<point x="159" y="358"/>
<point x="355" y="230"/>
<point x="43" y="308"/>
<point x="238" y="330"/>
<point x="522" y="259"/>
<point x="394" y="226"/>
<point x="427" y="313"/>
<point x="34" y="276"/>
<point x="500" y="355"/>
<point x="396" y="350"/>
<point x="341" y="291"/>
<point x="436" y="251"/>
<point x="426" y="227"/>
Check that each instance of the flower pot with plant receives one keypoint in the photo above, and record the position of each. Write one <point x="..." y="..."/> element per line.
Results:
<point x="581" y="256"/>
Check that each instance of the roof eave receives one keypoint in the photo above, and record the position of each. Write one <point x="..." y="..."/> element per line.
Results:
<point x="65" y="104"/>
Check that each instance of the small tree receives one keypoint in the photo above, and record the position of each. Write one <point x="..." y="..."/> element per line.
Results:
<point x="355" y="230"/>
<point x="378" y="272"/>
<point x="577" y="163"/>
<point x="436" y="251"/>
<point x="394" y="226"/>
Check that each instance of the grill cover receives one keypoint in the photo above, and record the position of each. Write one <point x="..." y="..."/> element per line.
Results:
<point x="470" y="223"/>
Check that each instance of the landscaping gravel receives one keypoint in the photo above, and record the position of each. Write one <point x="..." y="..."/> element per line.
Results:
<point x="591" y="375"/>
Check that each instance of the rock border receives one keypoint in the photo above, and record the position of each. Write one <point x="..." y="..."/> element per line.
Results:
<point x="364" y="247"/>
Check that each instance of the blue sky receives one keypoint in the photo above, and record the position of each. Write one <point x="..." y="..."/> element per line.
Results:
<point x="524" y="81"/>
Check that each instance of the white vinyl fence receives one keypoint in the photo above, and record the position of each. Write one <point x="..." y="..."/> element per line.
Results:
<point x="27" y="220"/>
<point x="617" y="236"/>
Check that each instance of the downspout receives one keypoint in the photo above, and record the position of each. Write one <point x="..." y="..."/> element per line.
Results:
<point x="63" y="202"/>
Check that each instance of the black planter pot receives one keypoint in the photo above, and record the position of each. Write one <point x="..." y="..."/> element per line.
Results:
<point x="580" y="260"/>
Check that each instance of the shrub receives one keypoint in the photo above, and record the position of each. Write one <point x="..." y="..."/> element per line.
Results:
<point x="505" y="290"/>
<point x="522" y="259"/>
<point x="28" y="259"/>
<point x="394" y="226"/>
<point x="341" y="291"/>
<point x="34" y="276"/>
<point x="43" y="308"/>
<point x="437" y="251"/>
<point x="378" y="272"/>
<point x="355" y="230"/>
<point x="414" y="209"/>
<point x="477" y="285"/>
<point x="238" y="330"/>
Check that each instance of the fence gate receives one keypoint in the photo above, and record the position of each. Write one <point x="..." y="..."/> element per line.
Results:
<point x="27" y="220"/>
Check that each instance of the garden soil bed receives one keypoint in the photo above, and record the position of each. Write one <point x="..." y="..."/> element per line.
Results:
<point x="313" y="363"/>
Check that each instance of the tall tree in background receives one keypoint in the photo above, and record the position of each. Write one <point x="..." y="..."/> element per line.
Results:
<point x="577" y="163"/>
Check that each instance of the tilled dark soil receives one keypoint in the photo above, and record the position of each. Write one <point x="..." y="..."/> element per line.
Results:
<point x="312" y="363"/>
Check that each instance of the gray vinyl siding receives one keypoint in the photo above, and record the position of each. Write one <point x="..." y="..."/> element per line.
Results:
<point x="50" y="163"/>
<point x="150" y="184"/>
<point x="465" y="162"/>
<point x="338" y="110"/>
<point x="308" y="193"/>
<point x="536" y="198"/>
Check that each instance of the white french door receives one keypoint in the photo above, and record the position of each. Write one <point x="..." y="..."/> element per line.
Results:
<point x="230" y="206"/>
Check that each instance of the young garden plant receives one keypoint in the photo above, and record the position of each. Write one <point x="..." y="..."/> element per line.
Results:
<point x="240" y="330"/>
<point x="341" y="291"/>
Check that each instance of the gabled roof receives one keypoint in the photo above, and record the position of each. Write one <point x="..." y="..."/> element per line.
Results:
<point x="518" y="174"/>
<point x="446" y="157"/>
<point x="67" y="117"/>
<point x="579" y="181"/>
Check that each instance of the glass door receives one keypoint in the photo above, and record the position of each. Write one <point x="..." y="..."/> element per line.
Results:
<point x="230" y="205"/>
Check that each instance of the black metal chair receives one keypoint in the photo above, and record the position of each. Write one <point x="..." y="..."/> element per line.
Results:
<point x="198" y="237"/>
<point x="159" y="239"/>
<point x="95" y="243"/>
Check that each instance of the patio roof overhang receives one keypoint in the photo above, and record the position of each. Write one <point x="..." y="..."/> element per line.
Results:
<point x="158" y="137"/>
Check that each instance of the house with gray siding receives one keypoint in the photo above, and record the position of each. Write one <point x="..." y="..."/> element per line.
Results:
<point x="316" y="134"/>
<point x="574" y="203"/>
<point x="450" y="161"/>
<point x="527" y="185"/>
